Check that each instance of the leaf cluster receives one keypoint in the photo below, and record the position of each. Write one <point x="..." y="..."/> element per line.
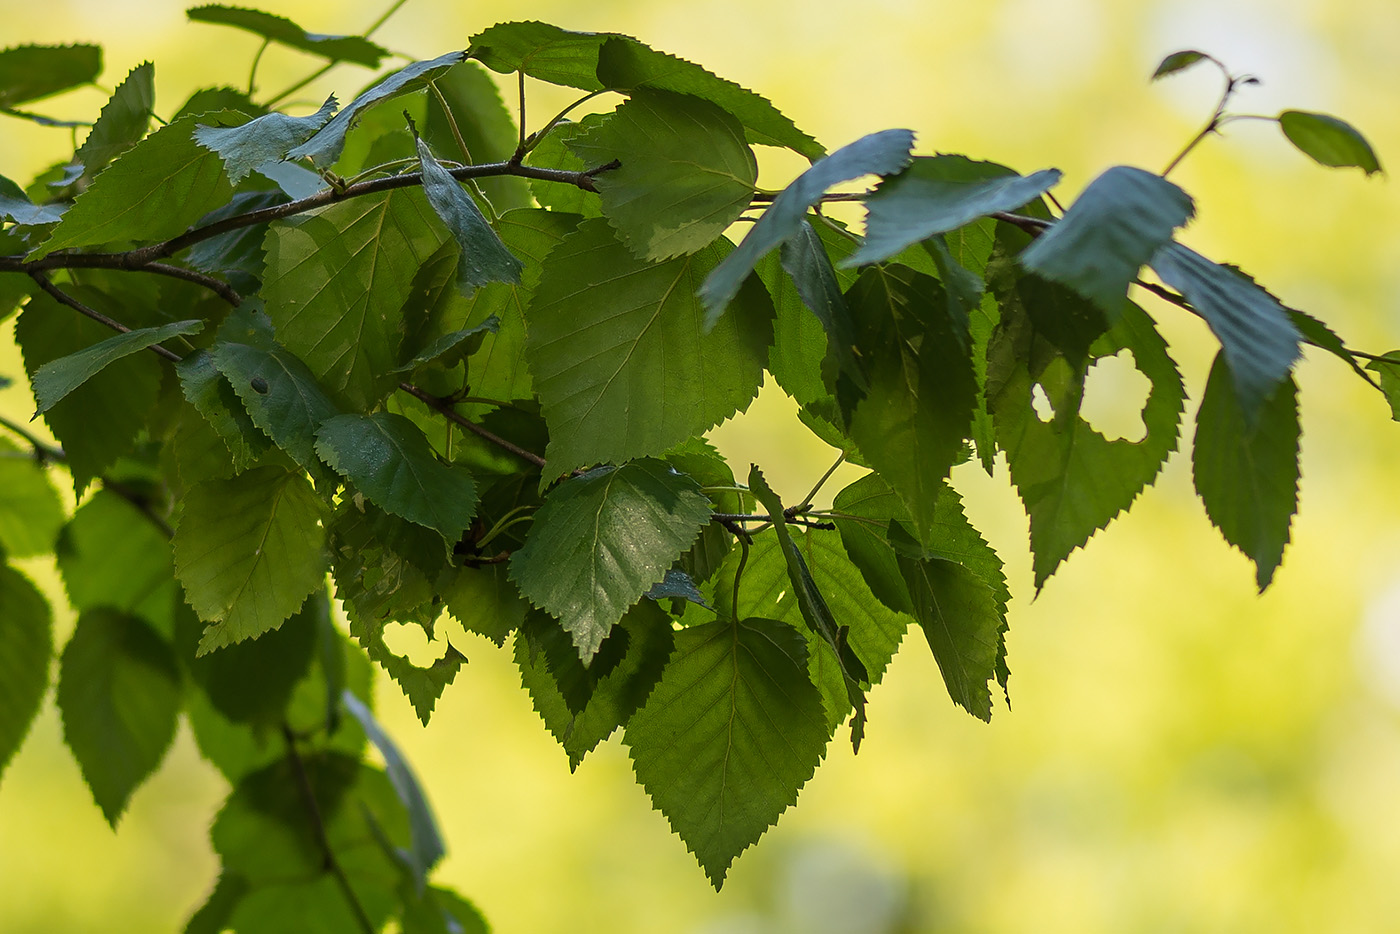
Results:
<point x="459" y="367"/>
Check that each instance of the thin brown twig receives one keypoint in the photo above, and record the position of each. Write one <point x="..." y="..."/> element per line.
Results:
<point x="444" y="407"/>
<point x="64" y="298"/>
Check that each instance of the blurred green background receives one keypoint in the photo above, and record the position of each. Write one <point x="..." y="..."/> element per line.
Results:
<point x="1183" y="755"/>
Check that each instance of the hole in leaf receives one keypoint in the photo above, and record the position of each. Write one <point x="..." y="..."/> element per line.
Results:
<point x="1114" y="393"/>
<point x="410" y="641"/>
<point x="1041" y="403"/>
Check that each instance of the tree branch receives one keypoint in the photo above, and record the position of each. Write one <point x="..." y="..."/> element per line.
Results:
<point x="64" y="298"/>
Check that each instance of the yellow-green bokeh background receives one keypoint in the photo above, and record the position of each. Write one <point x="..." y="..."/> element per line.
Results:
<point x="1183" y="755"/>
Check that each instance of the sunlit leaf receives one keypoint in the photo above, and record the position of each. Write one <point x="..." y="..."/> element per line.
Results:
<point x="355" y="49"/>
<point x="56" y="379"/>
<point x="1328" y="141"/>
<point x="33" y="72"/>
<point x="265" y="139"/>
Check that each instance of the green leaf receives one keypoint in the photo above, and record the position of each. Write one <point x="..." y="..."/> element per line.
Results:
<point x="882" y="153"/>
<point x="686" y="173"/>
<point x="278" y="392"/>
<point x="56" y="379"/>
<point x="484" y="257"/>
<point x="654" y="377"/>
<point x="427" y="847"/>
<point x="600" y="541"/>
<point x="30" y="511"/>
<point x="1178" y="61"/>
<point x="355" y="49"/>
<point x="389" y="460"/>
<point x="484" y="601"/>
<point x="212" y="917"/>
<point x="553" y="152"/>
<point x="729" y="735"/>
<point x="160" y="187"/>
<point x="16" y="206"/>
<point x="938" y="194"/>
<point x="252" y="682"/>
<point x="325" y="147"/>
<point x="1246" y="470"/>
<point x="111" y="555"/>
<point x="1388" y="371"/>
<point x="450" y="349"/>
<point x="614" y="697"/>
<point x="441" y="911"/>
<point x="873" y="631"/>
<point x="800" y="330"/>
<point x="26" y="647"/>
<point x="99" y="422"/>
<point x="496" y="370"/>
<point x="911" y="423"/>
<point x="337" y="280"/>
<point x="206" y="100"/>
<point x="815" y="610"/>
<point x="592" y="61"/>
<point x="1259" y="340"/>
<point x="248" y="551"/>
<point x="1328" y="141"/>
<point x="1072" y="480"/>
<point x="1114" y="228"/>
<point x="422" y="686"/>
<point x="123" y="121"/>
<point x="119" y="694"/>
<point x="1317" y="334"/>
<point x="262" y="833"/>
<point x="213" y="396"/>
<point x="266" y="139"/>
<point x="33" y="72"/>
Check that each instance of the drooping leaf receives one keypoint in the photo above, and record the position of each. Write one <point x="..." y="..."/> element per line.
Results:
<point x="252" y="682"/>
<point x="815" y="610"/>
<point x="614" y="697"/>
<point x="325" y="147"/>
<point x="112" y="555"/>
<point x="56" y="379"/>
<point x="1178" y="61"/>
<point x="275" y="388"/>
<point x="938" y="194"/>
<point x="484" y="257"/>
<point x="1246" y="470"/>
<point x="427" y="846"/>
<point x="1259" y="340"/>
<point x="265" y="139"/>
<point x="156" y="190"/>
<point x="1388" y="371"/>
<point x="600" y="542"/>
<point x="911" y="423"/>
<point x="1317" y="334"/>
<point x="337" y="280"/>
<point x="213" y="396"/>
<point x="123" y="121"/>
<point x="729" y="735"/>
<point x="1328" y="141"/>
<point x="1072" y="480"/>
<point x="355" y="49"/>
<point x="882" y="153"/>
<point x="654" y="376"/>
<point x="119" y="694"/>
<point x="1112" y="230"/>
<point x="248" y="551"/>
<point x="16" y="206"/>
<point x="805" y="259"/>
<point x="593" y="61"/>
<point x="686" y="173"/>
<point x="873" y="631"/>
<point x="33" y="72"/>
<point x="26" y="650"/>
<point x="30" y="510"/>
<point x="99" y="422"/>
<point x="387" y="458"/>
<point x="801" y="333"/>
